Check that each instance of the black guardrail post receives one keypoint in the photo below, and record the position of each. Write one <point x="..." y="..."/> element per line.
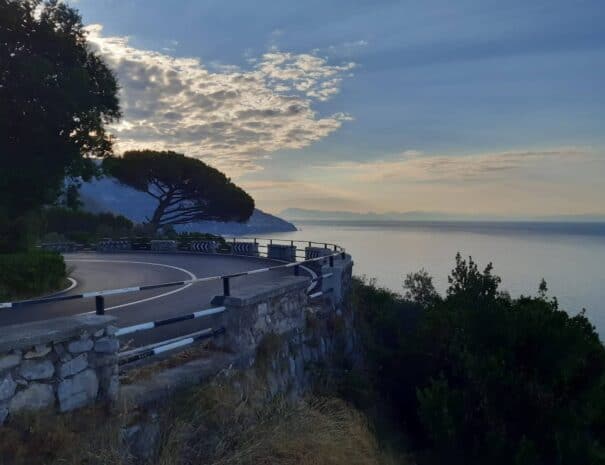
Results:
<point x="100" y="304"/>
<point x="331" y="261"/>
<point x="297" y="270"/>
<point x="226" y="290"/>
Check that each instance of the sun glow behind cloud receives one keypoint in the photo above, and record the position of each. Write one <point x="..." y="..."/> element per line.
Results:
<point x="231" y="118"/>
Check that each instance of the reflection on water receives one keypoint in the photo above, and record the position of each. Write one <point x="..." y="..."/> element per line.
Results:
<point x="570" y="256"/>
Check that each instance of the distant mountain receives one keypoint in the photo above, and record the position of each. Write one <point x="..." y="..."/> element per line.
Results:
<point x="302" y="214"/>
<point x="108" y="195"/>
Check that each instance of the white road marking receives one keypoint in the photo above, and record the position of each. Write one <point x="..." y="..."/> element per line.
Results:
<point x="115" y="307"/>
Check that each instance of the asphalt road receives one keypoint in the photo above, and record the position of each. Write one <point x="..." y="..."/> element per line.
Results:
<point x="95" y="272"/>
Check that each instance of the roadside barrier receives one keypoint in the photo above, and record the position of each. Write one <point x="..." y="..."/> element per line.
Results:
<point x="286" y="253"/>
<point x="163" y="245"/>
<point x="154" y="324"/>
<point x="203" y="246"/>
<point x="313" y="256"/>
<point x="245" y="248"/>
<point x="278" y="252"/>
<point x="110" y="245"/>
<point x="316" y="252"/>
<point x="165" y="346"/>
<point x="59" y="246"/>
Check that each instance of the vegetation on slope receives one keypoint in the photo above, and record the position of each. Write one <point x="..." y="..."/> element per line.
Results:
<point x="478" y="377"/>
<point x="210" y="425"/>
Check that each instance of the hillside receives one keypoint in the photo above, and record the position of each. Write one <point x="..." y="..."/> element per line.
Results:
<point x="108" y="195"/>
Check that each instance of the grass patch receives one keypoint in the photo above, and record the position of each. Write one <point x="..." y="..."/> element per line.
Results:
<point x="86" y="437"/>
<point x="224" y="428"/>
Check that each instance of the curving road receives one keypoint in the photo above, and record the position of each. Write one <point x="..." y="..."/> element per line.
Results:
<point x="95" y="272"/>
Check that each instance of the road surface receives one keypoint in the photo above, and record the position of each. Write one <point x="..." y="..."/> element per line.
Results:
<point x="94" y="272"/>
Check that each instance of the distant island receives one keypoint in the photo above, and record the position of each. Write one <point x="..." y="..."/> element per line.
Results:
<point x="108" y="195"/>
<point x="302" y="214"/>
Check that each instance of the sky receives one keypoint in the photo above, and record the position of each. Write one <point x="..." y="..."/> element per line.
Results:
<point x="475" y="106"/>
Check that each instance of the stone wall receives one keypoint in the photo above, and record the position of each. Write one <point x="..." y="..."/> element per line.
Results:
<point x="62" y="364"/>
<point x="271" y="307"/>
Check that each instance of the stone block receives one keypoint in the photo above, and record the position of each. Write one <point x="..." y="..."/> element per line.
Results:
<point x="74" y="366"/>
<point x="3" y="413"/>
<point x="39" y="351"/>
<point x="80" y="345"/>
<point x="9" y="361"/>
<point x="36" y="369"/>
<point x="7" y="387"/>
<point x="111" y="330"/>
<point x="37" y="396"/>
<point x="78" y="391"/>
<point x="107" y="345"/>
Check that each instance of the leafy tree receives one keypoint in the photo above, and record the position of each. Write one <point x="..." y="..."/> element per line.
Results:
<point x="419" y="288"/>
<point x="57" y="96"/>
<point x="186" y="189"/>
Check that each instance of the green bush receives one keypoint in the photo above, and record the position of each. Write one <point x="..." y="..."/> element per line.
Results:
<point x="85" y="227"/>
<point x="482" y="378"/>
<point x="30" y="274"/>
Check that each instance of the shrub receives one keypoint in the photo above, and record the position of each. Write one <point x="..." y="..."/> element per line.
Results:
<point x="85" y="227"/>
<point x="30" y="274"/>
<point x="495" y="380"/>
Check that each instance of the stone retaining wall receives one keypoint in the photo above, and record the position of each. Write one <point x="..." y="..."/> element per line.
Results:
<point x="62" y="364"/>
<point x="271" y="307"/>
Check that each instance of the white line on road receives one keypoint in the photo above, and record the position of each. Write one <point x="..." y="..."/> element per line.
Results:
<point x="115" y="307"/>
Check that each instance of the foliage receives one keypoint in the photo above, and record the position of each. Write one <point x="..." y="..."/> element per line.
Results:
<point x="420" y="288"/>
<point x="30" y="274"/>
<point x="57" y="96"/>
<point x="483" y="378"/>
<point x="186" y="189"/>
<point x="85" y="227"/>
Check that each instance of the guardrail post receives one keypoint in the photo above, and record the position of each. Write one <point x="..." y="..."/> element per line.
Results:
<point x="325" y="246"/>
<point x="297" y="270"/>
<point x="331" y="261"/>
<point x="100" y="304"/>
<point x="226" y="290"/>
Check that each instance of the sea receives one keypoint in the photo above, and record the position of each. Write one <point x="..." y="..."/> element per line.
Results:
<point x="569" y="256"/>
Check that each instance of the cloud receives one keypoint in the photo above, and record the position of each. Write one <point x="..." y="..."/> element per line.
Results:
<point x="231" y="118"/>
<point x="414" y="166"/>
<point x="275" y="194"/>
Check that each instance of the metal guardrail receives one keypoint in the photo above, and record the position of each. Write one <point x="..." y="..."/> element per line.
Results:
<point x="99" y="296"/>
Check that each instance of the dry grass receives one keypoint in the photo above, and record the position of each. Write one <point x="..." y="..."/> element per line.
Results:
<point x="222" y="428"/>
<point x="181" y="357"/>
<point x="88" y="437"/>
<point x="216" y="424"/>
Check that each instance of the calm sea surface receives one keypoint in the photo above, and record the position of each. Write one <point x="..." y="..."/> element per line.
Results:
<point x="570" y="256"/>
